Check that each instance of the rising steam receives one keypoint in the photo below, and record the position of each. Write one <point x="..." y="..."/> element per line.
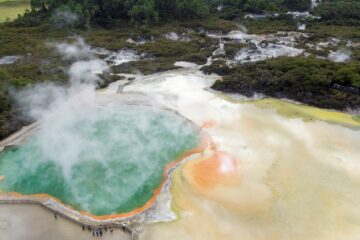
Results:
<point x="103" y="159"/>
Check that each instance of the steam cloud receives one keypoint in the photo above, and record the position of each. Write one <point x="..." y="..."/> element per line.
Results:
<point x="41" y="99"/>
<point x="341" y="55"/>
<point x="57" y="107"/>
<point x="64" y="17"/>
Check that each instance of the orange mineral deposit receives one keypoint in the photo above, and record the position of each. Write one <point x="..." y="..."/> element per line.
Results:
<point x="219" y="168"/>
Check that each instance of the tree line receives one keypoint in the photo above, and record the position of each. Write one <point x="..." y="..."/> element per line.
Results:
<point x="145" y="11"/>
<point x="339" y="12"/>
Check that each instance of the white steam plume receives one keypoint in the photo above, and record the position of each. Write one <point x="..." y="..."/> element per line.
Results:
<point x="40" y="100"/>
<point x="341" y="55"/>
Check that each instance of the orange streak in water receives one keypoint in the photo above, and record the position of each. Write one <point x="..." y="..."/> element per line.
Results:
<point x="2" y="178"/>
<point x="208" y="124"/>
<point x="219" y="168"/>
<point x="205" y="142"/>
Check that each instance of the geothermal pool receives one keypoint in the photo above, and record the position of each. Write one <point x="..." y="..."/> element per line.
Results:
<point x="103" y="160"/>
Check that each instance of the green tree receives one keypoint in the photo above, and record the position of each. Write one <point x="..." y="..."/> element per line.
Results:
<point x="297" y="5"/>
<point x="38" y="4"/>
<point x="142" y="10"/>
<point x="191" y="8"/>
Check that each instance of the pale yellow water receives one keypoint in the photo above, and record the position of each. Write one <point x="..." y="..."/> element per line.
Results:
<point x="300" y="181"/>
<point x="307" y="113"/>
<point x="289" y="171"/>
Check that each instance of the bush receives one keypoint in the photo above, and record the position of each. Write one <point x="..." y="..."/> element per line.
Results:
<point x="218" y="67"/>
<point x="307" y="80"/>
<point x="231" y="49"/>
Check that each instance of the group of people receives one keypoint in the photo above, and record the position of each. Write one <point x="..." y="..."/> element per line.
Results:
<point x="99" y="231"/>
<point x="95" y="232"/>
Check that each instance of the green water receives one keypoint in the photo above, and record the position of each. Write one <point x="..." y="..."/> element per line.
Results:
<point x="104" y="161"/>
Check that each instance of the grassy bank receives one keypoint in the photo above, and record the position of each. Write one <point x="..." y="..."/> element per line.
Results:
<point x="9" y="9"/>
<point x="347" y="32"/>
<point x="264" y="26"/>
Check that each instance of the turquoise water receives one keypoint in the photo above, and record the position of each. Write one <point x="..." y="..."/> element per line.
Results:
<point x="102" y="160"/>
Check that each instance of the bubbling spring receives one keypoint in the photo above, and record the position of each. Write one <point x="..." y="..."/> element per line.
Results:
<point x="104" y="160"/>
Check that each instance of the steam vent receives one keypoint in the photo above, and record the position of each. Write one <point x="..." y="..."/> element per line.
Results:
<point x="103" y="161"/>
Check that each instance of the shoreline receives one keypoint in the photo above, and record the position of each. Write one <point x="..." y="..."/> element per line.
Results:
<point x="19" y="137"/>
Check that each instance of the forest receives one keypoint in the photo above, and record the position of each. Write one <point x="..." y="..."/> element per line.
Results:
<point x="144" y="11"/>
<point x="90" y="12"/>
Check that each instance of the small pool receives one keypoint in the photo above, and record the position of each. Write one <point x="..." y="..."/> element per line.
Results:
<point x="105" y="161"/>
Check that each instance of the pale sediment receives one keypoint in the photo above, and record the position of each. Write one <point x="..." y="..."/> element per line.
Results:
<point x="33" y="222"/>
